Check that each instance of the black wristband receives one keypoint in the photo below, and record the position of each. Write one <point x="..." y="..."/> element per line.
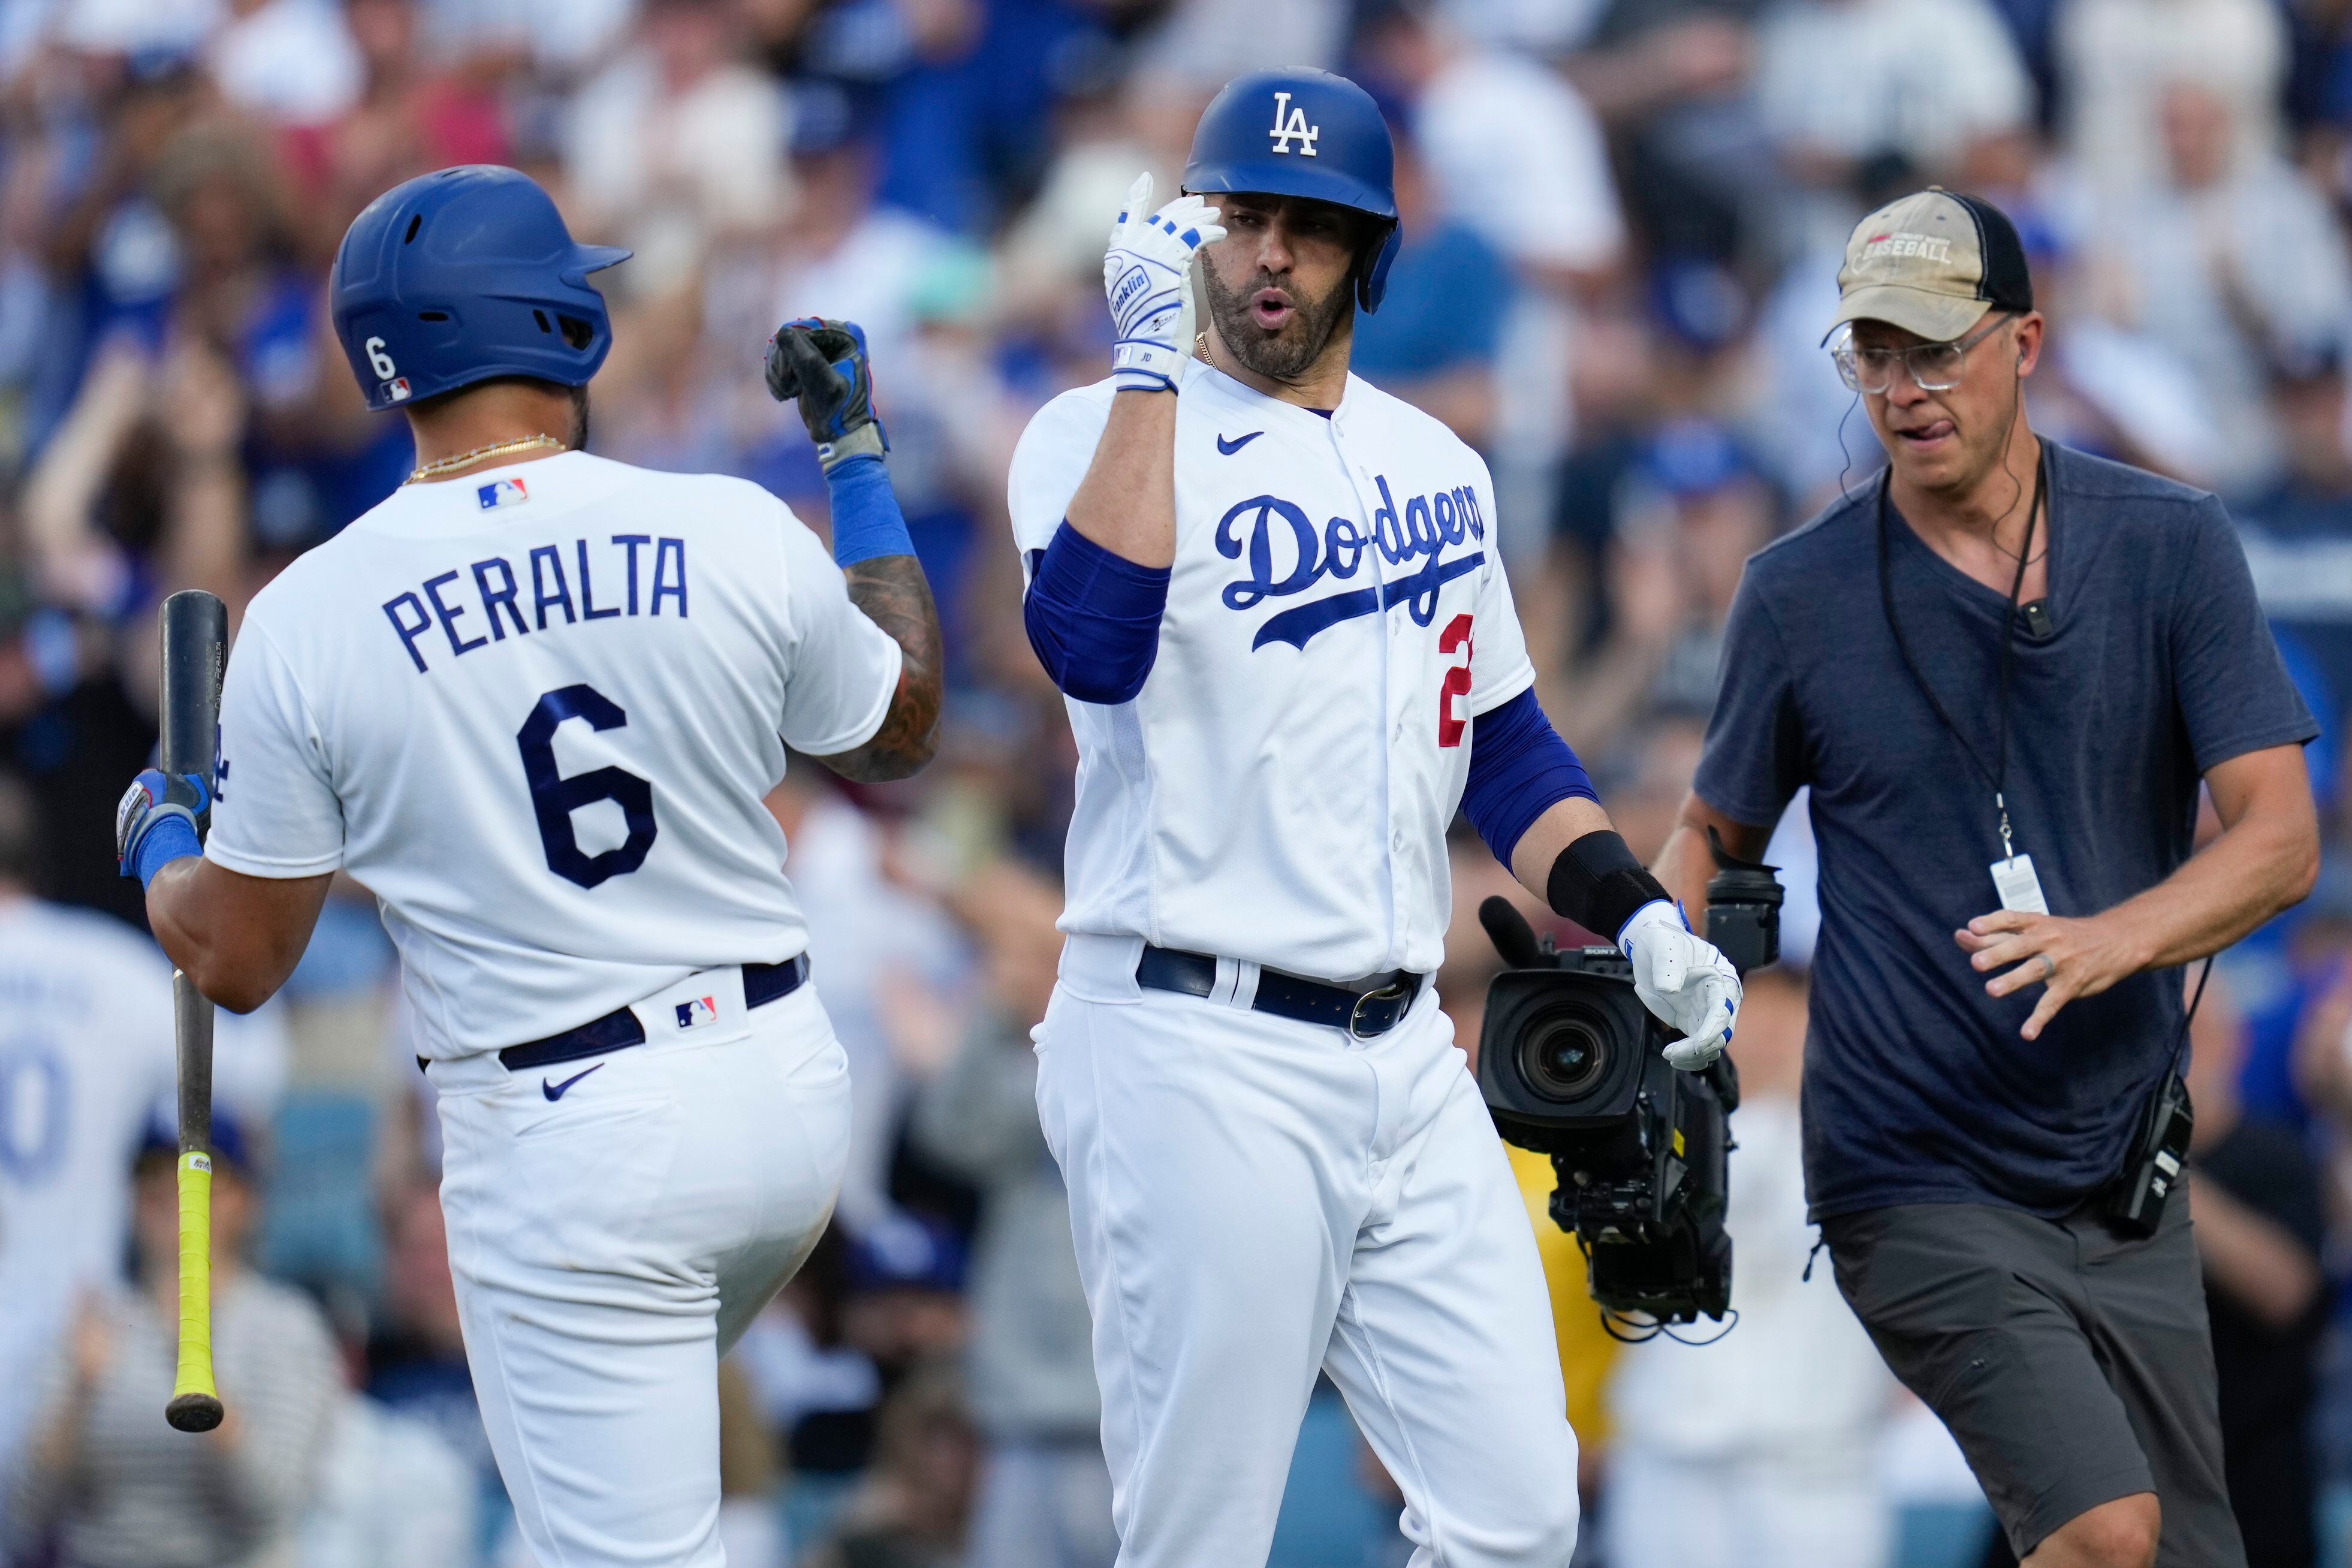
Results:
<point x="1597" y="883"/>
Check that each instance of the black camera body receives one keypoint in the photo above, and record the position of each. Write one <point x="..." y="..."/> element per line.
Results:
<point x="1571" y="1065"/>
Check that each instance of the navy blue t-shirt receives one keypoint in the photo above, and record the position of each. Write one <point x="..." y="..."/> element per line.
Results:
<point x="1918" y="1088"/>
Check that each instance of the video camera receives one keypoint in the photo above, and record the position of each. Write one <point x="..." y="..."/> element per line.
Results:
<point x="1571" y="1065"/>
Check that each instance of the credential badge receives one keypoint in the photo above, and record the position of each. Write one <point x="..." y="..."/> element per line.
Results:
<point x="1291" y="126"/>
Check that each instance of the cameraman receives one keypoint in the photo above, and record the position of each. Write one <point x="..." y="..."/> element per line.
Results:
<point x="2002" y="667"/>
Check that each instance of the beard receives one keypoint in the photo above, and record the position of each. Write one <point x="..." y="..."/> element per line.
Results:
<point x="578" y="442"/>
<point x="1288" y="353"/>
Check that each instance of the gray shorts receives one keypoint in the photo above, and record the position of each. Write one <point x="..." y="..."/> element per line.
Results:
<point x="2072" y="1363"/>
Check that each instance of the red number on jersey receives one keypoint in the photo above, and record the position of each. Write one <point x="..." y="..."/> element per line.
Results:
<point x="1456" y="683"/>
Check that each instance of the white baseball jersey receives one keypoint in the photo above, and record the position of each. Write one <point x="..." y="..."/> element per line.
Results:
<point x="534" y="711"/>
<point x="1279" y="790"/>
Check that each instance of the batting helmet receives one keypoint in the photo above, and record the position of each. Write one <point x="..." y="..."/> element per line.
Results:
<point x="462" y="275"/>
<point x="1303" y="133"/>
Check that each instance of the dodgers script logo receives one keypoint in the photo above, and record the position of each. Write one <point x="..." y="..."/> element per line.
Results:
<point x="1287" y="556"/>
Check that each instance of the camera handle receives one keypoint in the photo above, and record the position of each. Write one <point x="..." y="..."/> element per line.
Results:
<point x="1743" y="908"/>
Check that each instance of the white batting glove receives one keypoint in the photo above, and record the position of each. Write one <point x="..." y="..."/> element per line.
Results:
<point x="1684" y="980"/>
<point x="1146" y="273"/>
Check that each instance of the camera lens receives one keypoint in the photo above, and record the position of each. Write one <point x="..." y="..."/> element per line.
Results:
<point x="1564" y="1054"/>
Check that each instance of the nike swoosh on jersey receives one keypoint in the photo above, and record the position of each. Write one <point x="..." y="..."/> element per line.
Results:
<point x="1237" y="443"/>
<point x="555" y="1091"/>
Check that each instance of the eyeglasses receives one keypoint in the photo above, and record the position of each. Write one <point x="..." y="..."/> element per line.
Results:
<point x="1933" y="367"/>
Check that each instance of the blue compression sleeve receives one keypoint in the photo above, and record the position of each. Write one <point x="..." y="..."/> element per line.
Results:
<point x="170" y="839"/>
<point x="1094" y="617"/>
<point x="866" y="522"/>
<point x="1519" y="767"/>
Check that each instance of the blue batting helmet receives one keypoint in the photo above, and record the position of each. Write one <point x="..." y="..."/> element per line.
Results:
<point x="462" y="275"/>
<point x="1303" y="133"/>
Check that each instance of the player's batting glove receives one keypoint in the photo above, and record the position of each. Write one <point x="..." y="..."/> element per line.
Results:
<point x="1684" y="980"/>
<point x="822" y="365"/>
<point x="159" y="821"/>
<point x="1147" y="272"/>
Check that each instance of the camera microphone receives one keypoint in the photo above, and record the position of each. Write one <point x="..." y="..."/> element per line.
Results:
<point x="1509" y="931"/>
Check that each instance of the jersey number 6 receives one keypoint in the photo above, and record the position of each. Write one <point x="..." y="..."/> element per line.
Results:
<point x="554" y="797"/>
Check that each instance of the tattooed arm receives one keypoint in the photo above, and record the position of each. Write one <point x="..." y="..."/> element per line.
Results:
<point x="891" y="589"/>
<point x="821" y="365"/>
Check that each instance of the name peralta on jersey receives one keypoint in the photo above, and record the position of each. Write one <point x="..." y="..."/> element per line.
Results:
<point x="534" y="711"/>
<point x="1279" y="790"/>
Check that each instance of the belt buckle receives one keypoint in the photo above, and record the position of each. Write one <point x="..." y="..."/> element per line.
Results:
<point x="1356" y="1014"/>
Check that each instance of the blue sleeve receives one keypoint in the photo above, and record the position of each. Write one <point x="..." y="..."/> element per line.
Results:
<point x="1094" y="617"/>
<point x="1519" y="768"/>
<point x="866" y="522"/>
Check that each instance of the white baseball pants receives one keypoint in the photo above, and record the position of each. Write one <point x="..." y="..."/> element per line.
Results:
<point x="609" y="1243"/>
<point x="1256" y="1200"/>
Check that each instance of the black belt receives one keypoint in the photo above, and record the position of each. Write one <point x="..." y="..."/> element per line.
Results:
<point x="619" y="1029"/>
<point x="1363" y="1011"/>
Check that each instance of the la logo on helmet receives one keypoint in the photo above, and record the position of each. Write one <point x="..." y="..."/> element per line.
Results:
<point x="1292" y="126"/>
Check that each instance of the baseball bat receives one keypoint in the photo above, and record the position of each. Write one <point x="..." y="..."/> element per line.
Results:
<point x="195" y="649"/>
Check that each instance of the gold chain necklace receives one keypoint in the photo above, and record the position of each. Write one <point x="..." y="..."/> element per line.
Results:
<point x="465" y="459"/>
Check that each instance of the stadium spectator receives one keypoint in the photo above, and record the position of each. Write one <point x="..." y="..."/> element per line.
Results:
<point x="1687" y="513"/>
<point x="2261" y="1228"/>
<point x="1509" y="149"/>
<point x="912" y="1508"/>
<point x="291" y="62"/>
<point x="408" y="119"/>
<point x="416" y="1360"/>
<point x="2232" y="261"/>
<point x="1438" y="333"/>
<point x="2298" y="537"/>
<point x="1044" y="1489"/>
<point x="677" y="145"/>
<point x="103" y="1480"/>
<point x="390" y="1494"/>
<point x="2116" y="59"/>
<point x="1863" y="92"/>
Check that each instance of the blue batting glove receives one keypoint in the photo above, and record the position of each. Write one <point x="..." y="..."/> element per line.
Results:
<point x="159" y="821"/>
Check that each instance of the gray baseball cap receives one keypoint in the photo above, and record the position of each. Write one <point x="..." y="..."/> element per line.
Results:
<point x="1933" y="263"/>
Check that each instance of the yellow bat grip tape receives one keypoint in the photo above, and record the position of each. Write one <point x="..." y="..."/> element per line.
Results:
<point x="195" y="1276"/>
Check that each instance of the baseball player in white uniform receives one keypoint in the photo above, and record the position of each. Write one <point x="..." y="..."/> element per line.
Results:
<point x="533" y="700"/>
<point x="1271" y="594"/>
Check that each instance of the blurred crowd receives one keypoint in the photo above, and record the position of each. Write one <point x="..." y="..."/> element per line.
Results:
<point x="1622" y="222"/>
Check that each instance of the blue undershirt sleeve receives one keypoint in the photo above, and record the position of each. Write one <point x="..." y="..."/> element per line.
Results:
<point x="866" y="522"/>
<point x="1094" y="617"/>
<point x="1519" y="767"/>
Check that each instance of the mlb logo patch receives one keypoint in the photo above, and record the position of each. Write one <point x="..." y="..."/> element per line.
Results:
<point x="502" y="492"/>
<point x="397" y="389"/>
<point x="695" y="1013"/>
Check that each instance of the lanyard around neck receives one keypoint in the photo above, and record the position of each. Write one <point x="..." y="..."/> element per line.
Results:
<point x="1996" y="775"/>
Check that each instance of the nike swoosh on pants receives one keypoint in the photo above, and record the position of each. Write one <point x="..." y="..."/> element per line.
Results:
<point x="555" y="1091"/>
